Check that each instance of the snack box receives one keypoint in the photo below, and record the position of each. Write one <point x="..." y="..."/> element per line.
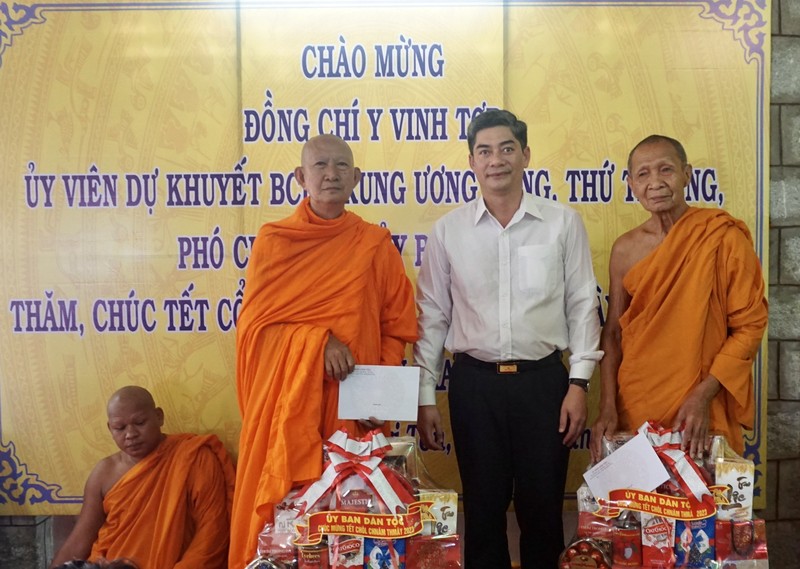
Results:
<point x="444" y="509"/>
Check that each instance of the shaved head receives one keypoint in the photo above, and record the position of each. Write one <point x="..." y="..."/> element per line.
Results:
<point x="321" y="141"/>
<point x="328" y="173"/>
<point x="135" y="395"/>
<point x="134" y="421"/>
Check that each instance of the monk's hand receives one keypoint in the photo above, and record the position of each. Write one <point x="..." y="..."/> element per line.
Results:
<point x="339" y="360"/>
<point x="429" y="427"/>
<point x="372" y="423"/>
<point x="573" y="415"/>
<point x="693" y="417"/>
<point x="604" y="426"/>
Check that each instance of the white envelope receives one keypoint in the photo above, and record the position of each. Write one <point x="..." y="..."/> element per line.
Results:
<point x="388" y="393"/>
<point x="633" y="465"/>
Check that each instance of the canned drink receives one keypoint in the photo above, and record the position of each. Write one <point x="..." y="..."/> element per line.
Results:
<point x="313" y="557"/>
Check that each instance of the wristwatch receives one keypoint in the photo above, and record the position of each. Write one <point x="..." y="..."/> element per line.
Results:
<point x="582" y="383"/>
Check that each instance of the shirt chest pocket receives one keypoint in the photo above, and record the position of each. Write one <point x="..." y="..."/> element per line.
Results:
<point x="539" y="268"/>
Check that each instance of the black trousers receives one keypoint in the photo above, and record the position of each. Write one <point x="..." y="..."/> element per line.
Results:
<point x="505" y="430"/>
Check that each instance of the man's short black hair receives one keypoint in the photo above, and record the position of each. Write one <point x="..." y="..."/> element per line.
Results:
<point x="660" y="138"/>
<point x="497" y="117"/>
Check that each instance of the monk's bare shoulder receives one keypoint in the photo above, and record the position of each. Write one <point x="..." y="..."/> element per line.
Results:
<point x="109" y="470"/>
<point x="632" y="246"/>
<point x="624" y="251"/>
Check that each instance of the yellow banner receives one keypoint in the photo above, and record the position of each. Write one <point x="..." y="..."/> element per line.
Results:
<point x="145" y="143"/>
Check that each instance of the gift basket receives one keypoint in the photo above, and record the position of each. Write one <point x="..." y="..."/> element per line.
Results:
<point x="701" y="517"/>
<point x="372" y="508"/>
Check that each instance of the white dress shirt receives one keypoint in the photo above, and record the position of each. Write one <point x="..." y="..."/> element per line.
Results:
<point x="507" y="293"/>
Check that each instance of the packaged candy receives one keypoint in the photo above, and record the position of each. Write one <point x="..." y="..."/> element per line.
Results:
<point x="444" y="509"/>
<point x="590" y="525"/>
<point x="345" y="551"/>
<point x="402" y="457"/>
<point x="275" y="546"/>
<point x="584" y="554"/>
<point x="595" y="527"/>
<point x="736" y="474"/>
<point x="586" y="500"/>
<point x="384" y="553"/>
<point x="741" y="540"/>
<point x="353" y="494"/>
<point x="658" y="541"/>
<point x="626" y="540"/>
<point x="276" y="540"/>
<point x="433" y="552"/>
<point x="694" y="542"/>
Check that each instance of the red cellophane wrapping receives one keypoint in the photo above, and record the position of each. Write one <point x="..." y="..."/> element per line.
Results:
<point x="433" y="552"/>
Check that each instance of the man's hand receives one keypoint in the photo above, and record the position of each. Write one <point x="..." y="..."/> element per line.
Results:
<point x="604" y="426"/>
<point x="429" y="426"/>
<point x="339" y="361"/>
<point x="573" y="415"/>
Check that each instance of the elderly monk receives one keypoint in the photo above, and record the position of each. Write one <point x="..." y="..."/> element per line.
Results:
<point x="325" y="291"/>
<point x="686" y="312"/>
<point x="162" y="501"/>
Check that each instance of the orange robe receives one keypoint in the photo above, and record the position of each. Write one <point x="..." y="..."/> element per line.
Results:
<point x="172" y="509"/>
<point x="307" y="277"/>
<point x="697" y="308"/>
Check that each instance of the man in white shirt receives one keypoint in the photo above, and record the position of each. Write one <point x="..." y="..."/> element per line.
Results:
<point x="506" y="284"/>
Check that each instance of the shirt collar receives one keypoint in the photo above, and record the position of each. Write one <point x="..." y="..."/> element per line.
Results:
<point x="527" y="205"/>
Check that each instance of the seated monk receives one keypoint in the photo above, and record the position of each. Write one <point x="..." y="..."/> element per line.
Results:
<point x="162" y="501"/>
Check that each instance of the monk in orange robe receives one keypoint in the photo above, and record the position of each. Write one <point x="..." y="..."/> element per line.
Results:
<point x="325" y="291"/>
<point x="686" y="312"/>
<point x="162" y="501"/>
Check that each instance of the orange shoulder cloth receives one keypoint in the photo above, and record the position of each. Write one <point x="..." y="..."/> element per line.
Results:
<point x="307" y="278"/>
<point x="172" y="509"/>
<point x="697" y="308"/>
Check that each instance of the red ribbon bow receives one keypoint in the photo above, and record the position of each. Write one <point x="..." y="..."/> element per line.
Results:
<point x="667" y="444"/>
<point x="362" y="457"/>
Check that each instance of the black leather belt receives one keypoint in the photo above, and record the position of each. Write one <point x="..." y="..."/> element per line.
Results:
<point x="510" y="366"/>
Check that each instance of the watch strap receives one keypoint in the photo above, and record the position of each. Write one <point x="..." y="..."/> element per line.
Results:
<point x="582" y="383"/>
